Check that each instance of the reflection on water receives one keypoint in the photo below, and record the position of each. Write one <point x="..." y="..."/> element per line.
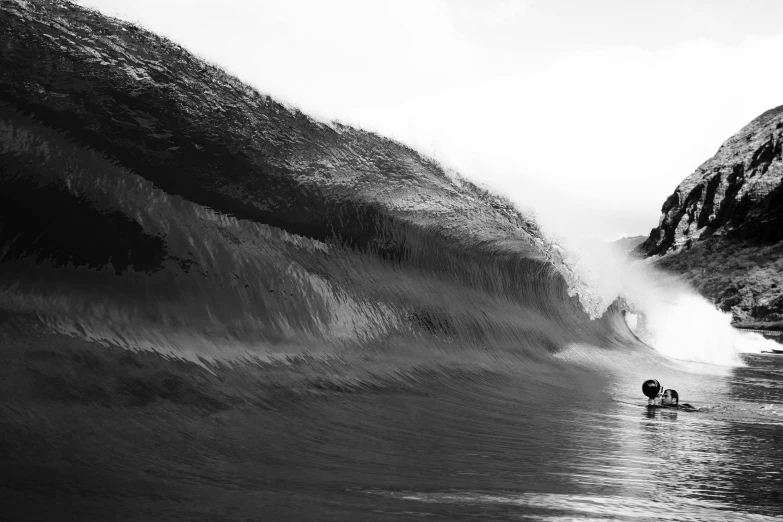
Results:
<point x="628" y="463"/>
<point x="459" y="446"/>
<point x="556" y="507"/>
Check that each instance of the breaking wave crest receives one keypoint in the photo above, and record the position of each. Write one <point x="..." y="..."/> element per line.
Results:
<point x="660" y="310"/>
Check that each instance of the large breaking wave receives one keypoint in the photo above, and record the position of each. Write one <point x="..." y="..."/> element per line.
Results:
<point x="188" y="281"/>
<point x="212" y="304"/>
<point x="96" y="252"/>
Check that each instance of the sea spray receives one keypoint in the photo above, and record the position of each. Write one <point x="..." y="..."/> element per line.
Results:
<point x="662" y="310"/>
<point x="685" y="326"/>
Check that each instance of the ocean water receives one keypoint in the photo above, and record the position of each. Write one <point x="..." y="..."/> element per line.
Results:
<point x="96" y="433"/>
<point x="161" y="360"/>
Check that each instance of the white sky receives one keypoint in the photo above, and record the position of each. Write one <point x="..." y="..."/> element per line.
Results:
<point x="590" y="113"/>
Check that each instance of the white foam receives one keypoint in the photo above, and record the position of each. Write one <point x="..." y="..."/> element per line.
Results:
<point x="685" y="326"/>
<point x="665" y="312"/>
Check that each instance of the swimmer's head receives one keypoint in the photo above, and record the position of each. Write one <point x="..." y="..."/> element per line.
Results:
<point x="670" y="398"/>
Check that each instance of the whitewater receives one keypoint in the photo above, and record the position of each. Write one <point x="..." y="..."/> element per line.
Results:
<point x="382" y="341"/>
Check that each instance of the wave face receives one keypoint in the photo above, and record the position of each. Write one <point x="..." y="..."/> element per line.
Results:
<point x="214" y="307"/>
<point x="96" y="252"/>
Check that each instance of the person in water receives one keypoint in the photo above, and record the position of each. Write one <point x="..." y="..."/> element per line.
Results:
<point x="671" y="399"/>
<point x="668" y="399"/>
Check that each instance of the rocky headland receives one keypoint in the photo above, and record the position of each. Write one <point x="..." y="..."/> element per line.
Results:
<point x="722" y="228"/>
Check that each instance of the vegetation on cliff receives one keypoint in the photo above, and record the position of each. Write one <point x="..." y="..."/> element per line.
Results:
<point x="722" y="228"/>
<point x="741" y="277"/>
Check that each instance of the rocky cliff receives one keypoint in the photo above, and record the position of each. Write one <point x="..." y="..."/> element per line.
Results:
<point x="722" y="228"/>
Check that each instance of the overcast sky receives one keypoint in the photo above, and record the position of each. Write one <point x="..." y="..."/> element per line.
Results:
<point x="590" y="113"/>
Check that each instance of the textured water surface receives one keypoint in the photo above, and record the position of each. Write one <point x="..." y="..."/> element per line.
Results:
<point x="89" y="430"/>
